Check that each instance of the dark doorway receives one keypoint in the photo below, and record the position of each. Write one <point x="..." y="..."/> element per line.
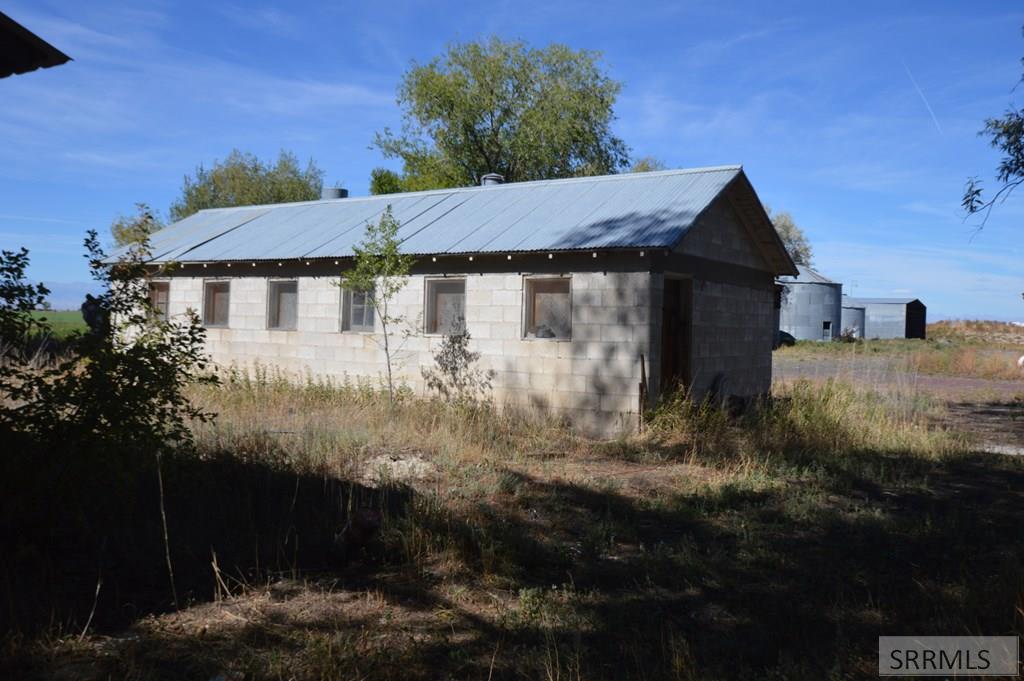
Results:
<point x="676" y="316"/>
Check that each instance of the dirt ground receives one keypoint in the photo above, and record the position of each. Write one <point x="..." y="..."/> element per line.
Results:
<point x="989" y="411"/>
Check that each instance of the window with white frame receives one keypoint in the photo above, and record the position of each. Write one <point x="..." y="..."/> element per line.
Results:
<point x="446" y="306"/>
<point x="357" y="311"/>
<point x="548" y="306"/>
<point x="216" y="299"/>
<point x="159" y="297"/>
<point x="282" y="305"/>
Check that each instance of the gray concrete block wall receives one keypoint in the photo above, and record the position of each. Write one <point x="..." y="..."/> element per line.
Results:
<point x="719" y="235"/>
<point x="733" y="328"/>
<point x="593" y="378"/>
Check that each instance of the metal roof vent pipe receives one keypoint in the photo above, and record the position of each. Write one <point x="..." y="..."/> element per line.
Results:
<point x="328" y="193"/>
<point x="490" y="179"/>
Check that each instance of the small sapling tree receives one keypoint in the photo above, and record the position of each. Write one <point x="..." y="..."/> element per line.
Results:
<point x="456" y="378"/>
<point x="379" y="271"/>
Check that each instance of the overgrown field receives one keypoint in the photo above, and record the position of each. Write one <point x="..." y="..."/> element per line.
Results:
<point x="318" y="533"/>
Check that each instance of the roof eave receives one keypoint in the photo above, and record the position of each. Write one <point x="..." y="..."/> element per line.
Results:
<point x="464" y="254"/>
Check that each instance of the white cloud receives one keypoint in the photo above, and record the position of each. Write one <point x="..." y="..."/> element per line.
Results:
<point x="36" y="218"/>
<point x="966" y="282"/>
<point x="164" y="110"/>
<point x="948" y="211"/>
<point x="875" y="176"/>
<point x="97" y="33"/>
<point x="266" y="19"/>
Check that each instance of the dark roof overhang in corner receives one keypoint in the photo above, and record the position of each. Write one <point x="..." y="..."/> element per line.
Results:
<point x="22" y="51"/>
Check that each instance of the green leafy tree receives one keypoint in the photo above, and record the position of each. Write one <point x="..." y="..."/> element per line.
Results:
<point x="504" y="107"/>
<point x="647" y="164"/>
<point x="18" y="299"/>
<point x="136" y="228"/>
<point x="384" y="181"/>
<point x="242" y="180"/>
<point x="792" y="236"/>
<point x="380" y="270"/>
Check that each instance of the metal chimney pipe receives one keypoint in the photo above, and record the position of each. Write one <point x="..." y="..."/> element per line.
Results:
<point x="328" y="193"/>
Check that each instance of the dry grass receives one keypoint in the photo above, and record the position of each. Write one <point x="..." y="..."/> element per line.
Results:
<point x="778" y="544"/>
<point x="988" y="332"/>
<point x="824" y="421"/>
<point x="969" y="360"/>
<point x="952" y="353"/>
<point x="337" y="428"/>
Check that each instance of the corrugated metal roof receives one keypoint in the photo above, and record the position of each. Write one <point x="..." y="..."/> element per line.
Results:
<point x="853" y="302"/>
<point x="807" y="276"/>
<point x="640" y="210"/>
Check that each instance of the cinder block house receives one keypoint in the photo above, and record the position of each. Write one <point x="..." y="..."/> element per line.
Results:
<point x="574" y="291"/>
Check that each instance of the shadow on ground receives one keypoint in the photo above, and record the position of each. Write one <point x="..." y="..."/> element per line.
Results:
<point x="789" y="578"/>
<point x="996" y="425"/>
<point x="84" y="537"/>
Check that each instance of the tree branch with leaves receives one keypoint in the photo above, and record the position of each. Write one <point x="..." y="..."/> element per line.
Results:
<point x="1007" y="135"/>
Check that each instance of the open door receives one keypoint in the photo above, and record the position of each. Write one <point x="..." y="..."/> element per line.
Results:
<point x="676" y="320"/>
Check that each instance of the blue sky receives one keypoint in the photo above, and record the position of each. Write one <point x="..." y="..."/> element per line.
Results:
<point x="860" y="119"/>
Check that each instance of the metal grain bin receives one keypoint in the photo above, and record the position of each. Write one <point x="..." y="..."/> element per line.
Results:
<point x="812" y="306"/>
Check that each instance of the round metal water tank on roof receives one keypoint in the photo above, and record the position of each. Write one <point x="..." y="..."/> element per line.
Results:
<point x="491" y="178"/>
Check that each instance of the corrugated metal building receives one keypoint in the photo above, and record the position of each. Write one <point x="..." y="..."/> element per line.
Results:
<point x="853" y="318"/>
<point x="574" y="291"/>
<point x="811" y="305"/>
<point x="888" y="317"/>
